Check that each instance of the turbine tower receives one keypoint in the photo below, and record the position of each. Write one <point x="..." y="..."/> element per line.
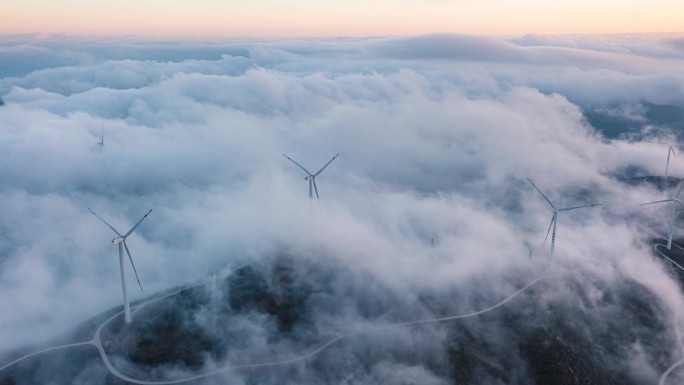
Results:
<point x="312" y="177"/>
<point x="120" y="240"/>
<point x="101" y="142"/>
<point x="675" y="202"/>
<point x="554" y="217"/>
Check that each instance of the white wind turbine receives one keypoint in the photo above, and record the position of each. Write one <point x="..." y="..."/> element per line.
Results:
<point x="675" y="203"/>
<point x="121" y="241"/>
<point x="101" y="142"/>
<point x="312" y="177"/>
<point x="554" y="217"/>
<point x="670" y="150"/>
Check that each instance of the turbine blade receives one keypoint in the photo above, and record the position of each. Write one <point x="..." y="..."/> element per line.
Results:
<point x="679" y="190"/>
<point x="132" y="264"/>
<point x="579" y="207"/>
<point x="664" y="200"/>
<point x="310" y="192"/>
<point x="298" y="165"/>
<point x="553" y="218"/>
<point x="105" y="222"/>
<point x="137" y="224"/>
<point x="542" y="194"/>
<point x="316" y="189"/>
<point x="326" y="165"/>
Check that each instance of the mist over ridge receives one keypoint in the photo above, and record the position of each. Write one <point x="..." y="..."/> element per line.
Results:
<point x="427" y="211"/>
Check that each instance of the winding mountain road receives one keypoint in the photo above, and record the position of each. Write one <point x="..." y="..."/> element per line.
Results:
<point x="674" y="366"/>
<point x="96" y="342"/>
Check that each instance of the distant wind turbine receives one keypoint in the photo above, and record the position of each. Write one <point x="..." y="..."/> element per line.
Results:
<point x="312" y="177"/>
<point x="554" y="217"/>
<point x="675" y="203"/>
<point x="670" y="150"/>
<point x="121" y="241"/>
<point x="101" y="142"/>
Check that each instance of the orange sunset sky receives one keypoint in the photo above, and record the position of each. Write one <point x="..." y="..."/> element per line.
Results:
<point x="334" y="17"/>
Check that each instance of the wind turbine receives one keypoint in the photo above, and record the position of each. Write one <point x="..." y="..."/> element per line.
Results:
<point x="670" y="150"/>
<point x="101" y="142"/>
<point x="554" y="217"/>
<point x="121" y="241"/>
<point x="312" y="177"/>
<point x="675" y="202"/>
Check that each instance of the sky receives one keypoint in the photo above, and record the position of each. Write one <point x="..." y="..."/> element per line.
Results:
<point x="339" y="18"/>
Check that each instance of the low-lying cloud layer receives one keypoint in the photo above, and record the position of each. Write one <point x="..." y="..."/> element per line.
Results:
<point x="437" y="136"/>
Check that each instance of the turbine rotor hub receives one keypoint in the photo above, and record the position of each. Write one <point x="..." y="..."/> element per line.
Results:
<point x="116" y="241"/>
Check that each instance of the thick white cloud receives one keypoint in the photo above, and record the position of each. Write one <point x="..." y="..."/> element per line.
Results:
<point x="437" y="136"/>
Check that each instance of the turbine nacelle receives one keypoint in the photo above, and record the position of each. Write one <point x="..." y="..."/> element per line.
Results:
<point x="116" y="241"/>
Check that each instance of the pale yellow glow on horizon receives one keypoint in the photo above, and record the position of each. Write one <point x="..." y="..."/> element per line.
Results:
<point x="334" y="18"/>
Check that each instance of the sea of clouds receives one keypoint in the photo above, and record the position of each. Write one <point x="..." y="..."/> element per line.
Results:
<point x="437" y="135"/>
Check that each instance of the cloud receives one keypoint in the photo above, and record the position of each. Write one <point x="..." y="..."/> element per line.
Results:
<point x="677" y="42"/>
<point x="447" y="46"/>
<point x="428" y="199"/>
<point x="587" y="70"/>
<point x="640" y="45"/>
